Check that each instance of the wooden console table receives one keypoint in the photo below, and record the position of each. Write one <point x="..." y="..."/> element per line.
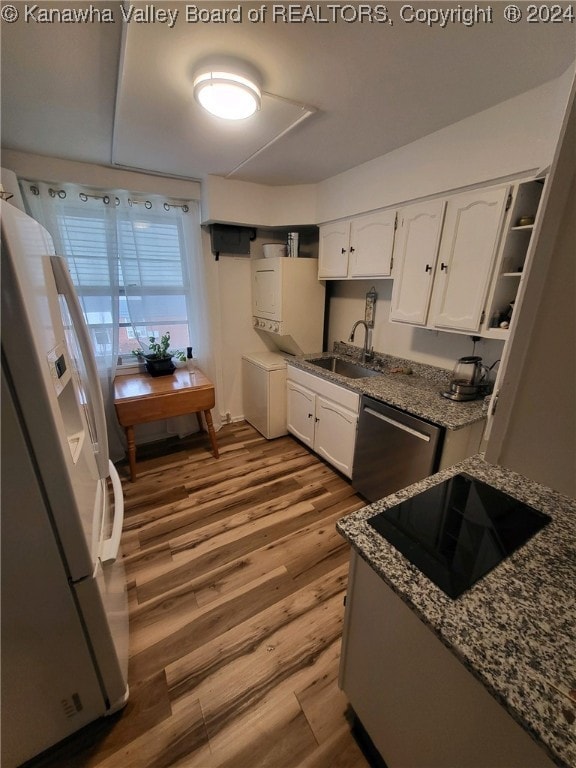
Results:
<point x="140" y="398"/>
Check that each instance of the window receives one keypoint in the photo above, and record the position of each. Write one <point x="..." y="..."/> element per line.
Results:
<point x="131" y="266"/>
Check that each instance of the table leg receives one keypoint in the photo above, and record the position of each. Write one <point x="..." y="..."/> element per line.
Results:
<point x="200" y="425"/>
<point x="131" y="452"/>
<point x="211" y="433"/>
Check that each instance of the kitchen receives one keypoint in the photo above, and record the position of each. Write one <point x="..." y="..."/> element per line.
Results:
<point x="522" y="133"/>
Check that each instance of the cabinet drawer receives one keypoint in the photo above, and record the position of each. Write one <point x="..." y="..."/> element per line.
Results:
<point x="320" y="386"/>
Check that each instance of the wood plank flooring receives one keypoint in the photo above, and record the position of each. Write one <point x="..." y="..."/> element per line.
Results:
<point x="236" y="581"/>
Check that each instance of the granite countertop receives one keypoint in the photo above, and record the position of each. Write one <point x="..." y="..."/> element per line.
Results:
<point x="515" y="629"/>
<point x="417" y="393"/>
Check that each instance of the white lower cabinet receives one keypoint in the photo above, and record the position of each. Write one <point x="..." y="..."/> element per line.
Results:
<point x="335" y="434"/>
<point x="324" y="417"/>
<point x="420" y="706"/>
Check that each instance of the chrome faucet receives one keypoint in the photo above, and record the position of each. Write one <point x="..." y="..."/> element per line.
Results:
<point x="368" y="350"/>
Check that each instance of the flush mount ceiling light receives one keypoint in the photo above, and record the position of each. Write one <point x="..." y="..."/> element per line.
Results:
<point x="227" y="92"/>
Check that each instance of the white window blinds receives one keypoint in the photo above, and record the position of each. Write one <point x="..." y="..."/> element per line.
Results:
<point x="139" y="257"/>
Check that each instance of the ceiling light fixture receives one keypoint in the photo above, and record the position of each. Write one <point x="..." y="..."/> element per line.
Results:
<point x="231" y="95"/>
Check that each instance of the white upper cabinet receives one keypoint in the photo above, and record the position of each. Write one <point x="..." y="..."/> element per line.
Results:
<point x="333" y="250"/>
<point x="357" y="248"/>
<point x="372" y="244"/>
<point x="468" y="248"/>
<point x="415" y="254"/>
<point x="459" y="262"/>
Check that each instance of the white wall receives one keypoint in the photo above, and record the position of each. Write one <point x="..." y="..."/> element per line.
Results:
<point x="234" y="314"/>
<point x="55" y="169"/>
<point x="513" y="138"/>
<point x="239" y="202"/>
<point x="235" y="317"/>
<point x="541" y="440"/>
<point x="507" y="140"/>
<point x="238" y="336"/>
<point x="347" y="300"/>
<point x="533" y="430"/>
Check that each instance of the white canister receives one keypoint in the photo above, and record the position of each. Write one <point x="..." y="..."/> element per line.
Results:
<point x="273" y="249"/>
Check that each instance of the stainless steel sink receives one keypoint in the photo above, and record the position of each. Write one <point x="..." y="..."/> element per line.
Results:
<point x="343" y="367"/>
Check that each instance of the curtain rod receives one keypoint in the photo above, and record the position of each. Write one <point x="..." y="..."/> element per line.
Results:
<point x="84" y="196"/>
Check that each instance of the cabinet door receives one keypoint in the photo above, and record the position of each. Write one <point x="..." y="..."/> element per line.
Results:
<point x="371" y="244"/>
<point x="266" y="296"/>
<point x="395" y="672"/>
<point x="333" y="250"/>
<point x="468" y="248"/>
<point x="335" y="436"/>
<point x="300" y="413"/>
<point x="415" y="253"/>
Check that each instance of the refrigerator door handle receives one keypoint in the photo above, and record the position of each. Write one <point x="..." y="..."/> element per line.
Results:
<point x="110" y="547"/>
<point x="65" y="286"/>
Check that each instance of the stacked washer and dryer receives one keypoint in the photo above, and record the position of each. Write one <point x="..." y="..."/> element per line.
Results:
<point x="288" y="309"/>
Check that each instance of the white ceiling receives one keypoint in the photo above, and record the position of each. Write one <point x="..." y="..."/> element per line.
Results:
<point x="120" y="93"/>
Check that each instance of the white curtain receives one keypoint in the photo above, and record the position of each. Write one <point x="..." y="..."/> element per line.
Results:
<point x="102" y="235"/>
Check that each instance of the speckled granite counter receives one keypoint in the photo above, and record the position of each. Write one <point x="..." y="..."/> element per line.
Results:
<point x="417" y="393"/>
<point x="515" y="630"/>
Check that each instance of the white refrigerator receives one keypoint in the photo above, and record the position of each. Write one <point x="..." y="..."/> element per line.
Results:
<point x="64" y="614"/>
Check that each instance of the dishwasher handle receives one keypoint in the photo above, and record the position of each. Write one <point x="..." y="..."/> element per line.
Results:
<point x="398" y="425"/>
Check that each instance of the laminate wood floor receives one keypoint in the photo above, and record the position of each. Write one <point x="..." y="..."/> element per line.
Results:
<point x="236" y="578"/>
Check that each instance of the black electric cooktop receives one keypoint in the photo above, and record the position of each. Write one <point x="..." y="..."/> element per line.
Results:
<point x="458" y="530"/>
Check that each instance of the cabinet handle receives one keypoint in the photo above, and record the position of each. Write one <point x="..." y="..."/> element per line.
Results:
<point x="343" y="250"/>
<point x="317" y="419"/>
<point x="428" y="268"/>
<point x="310" y="415"/>
<point x="352" y="249"/>
<point x="443" y="267"/>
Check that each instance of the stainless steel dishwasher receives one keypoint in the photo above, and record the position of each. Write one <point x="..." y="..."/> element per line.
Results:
<point x="393" y="449"/>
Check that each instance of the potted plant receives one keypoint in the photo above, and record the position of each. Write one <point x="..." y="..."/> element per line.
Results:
<point x="158" y="359"/>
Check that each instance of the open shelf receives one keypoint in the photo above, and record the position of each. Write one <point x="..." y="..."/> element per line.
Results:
<point x="511" y="262"/>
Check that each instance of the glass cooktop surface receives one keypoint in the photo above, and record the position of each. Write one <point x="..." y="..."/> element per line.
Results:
<point x="459" y="530"/>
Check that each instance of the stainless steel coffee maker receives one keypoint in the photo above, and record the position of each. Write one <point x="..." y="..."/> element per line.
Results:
<point x="469" y="379"/>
